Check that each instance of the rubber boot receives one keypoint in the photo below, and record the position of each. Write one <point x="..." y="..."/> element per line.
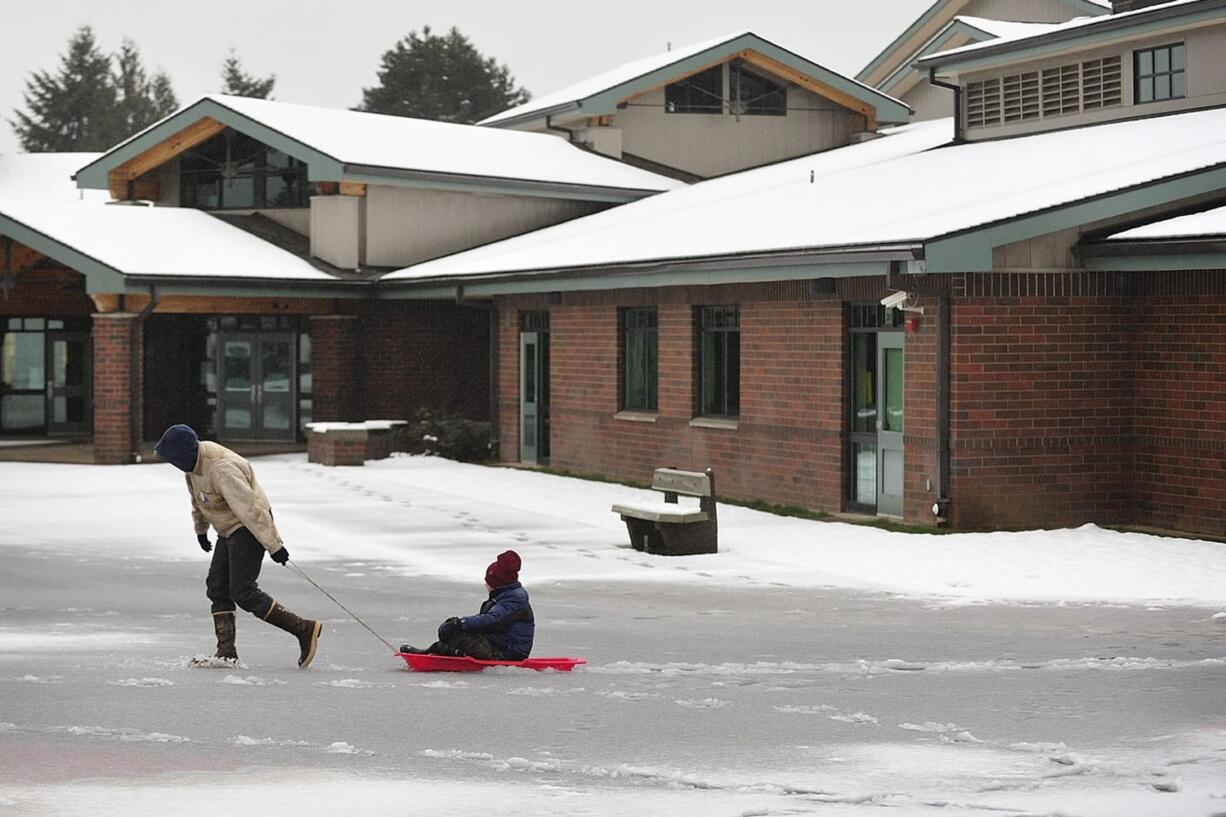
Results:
<point x="305" y="630"/>
<point x="223" y="623"/>
<point x="409" y="649"/>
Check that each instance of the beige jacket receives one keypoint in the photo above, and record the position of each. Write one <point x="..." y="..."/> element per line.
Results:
<point x="225" y="495"/>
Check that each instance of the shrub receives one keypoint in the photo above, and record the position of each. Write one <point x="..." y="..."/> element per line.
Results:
<point x="454" y="438"/>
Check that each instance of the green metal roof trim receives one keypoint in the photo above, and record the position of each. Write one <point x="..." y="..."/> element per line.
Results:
<point x="955" y="28"/>
<point x="320" y="166"/>
<point x="889" y="109"/>
<point x="1089" y="34"/>
<point x="99" y="277"/>
<point x="1087" y="6"/>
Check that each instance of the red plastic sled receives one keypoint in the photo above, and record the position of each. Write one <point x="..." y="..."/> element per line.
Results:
<point x="450" y="663"/>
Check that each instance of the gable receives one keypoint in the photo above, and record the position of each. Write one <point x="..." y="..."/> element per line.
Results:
<point x="904" y="48"/>
<point x="601" y="95"/>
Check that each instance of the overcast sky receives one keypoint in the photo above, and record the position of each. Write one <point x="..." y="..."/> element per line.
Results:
<point x="324" y="52"/>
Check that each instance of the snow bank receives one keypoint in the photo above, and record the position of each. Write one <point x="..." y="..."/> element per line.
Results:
<point x="429" y="516"/>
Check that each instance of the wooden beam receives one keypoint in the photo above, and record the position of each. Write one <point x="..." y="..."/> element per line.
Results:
<point x="672" y="79"/>
<point x="226" y="305"/>
<point x="869" y="112"/>
<point x="199" y="131"/>
<point x="106" y="301"/>
<point x="353" y="189"/>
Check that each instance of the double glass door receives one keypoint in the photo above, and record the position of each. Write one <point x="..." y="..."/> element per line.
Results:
<point x="256" y="398"/>
<point x="877" y="422"/>
<point x="44" y="378"/>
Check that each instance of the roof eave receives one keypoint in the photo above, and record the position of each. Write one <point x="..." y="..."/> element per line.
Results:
<point x="462" y="182"/>
<point x="1037" y="45"/>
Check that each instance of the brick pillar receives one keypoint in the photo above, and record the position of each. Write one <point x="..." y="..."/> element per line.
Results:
<point x="334" y="368"/>
<point x="117" y="420"/>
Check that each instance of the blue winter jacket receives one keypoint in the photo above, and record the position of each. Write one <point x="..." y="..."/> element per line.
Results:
<point x="506" y="619"/>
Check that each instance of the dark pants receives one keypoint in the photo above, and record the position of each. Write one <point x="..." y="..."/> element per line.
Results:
<point x="474" y="645"/>
<point x="233" y="574"/>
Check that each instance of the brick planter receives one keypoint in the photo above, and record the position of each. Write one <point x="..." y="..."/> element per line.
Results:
<point x="382" y="438"/>
<point x="337" y="443"/>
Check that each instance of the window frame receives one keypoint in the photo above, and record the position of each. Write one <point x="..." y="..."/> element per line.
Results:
<point x="688" y="87"/>
<point x="738" y="69"/>
<point x="1138" y="78"/>
<point x="639" y="323"/>
<point x="721" y="323"/>
<point x="195" y="174"/>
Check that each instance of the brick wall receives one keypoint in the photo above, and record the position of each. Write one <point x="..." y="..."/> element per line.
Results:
<point x="335" y="374"/>
<point x="113" y="339"/>
<point x="1041" y="395"/>
<point x="1180" y="390"/>
<point x="421" y="354"/>
<point x="787" y="447"/>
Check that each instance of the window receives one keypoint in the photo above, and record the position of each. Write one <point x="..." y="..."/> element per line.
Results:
<point x="232" y="171"/>
<point x="719" y="361"/>
<point x="751" y="94"/>
<point x="640" y="360"/>
<point x="700" y="93"/>
<point x="1160" y="73"/>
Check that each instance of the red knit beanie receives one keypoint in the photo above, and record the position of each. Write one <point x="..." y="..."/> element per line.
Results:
<point x="504" y="570"/>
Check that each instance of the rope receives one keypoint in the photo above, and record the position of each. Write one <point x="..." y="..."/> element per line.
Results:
<point x="290" y="562"/>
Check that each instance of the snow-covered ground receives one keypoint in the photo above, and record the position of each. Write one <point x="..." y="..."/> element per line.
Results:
<point x="808" y="667"/>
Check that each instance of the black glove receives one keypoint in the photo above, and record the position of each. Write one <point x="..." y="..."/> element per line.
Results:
<point x="450" y="628"/>
<point x="281" y="556"/>
<point x="205" y="544"/>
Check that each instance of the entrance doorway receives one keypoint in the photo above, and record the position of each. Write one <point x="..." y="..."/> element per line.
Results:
<point x="45" y="376"/>
<point x="256" y="397"/>
<point x="534" y="388"/>
<point x="876" y="455"/>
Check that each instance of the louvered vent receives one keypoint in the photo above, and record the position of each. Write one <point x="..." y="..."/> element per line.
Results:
<point x="983" y="103"/>
<point x="1061" y="90"/>
<point x="1101" y="83"/>
<point x="1021" y="97"/>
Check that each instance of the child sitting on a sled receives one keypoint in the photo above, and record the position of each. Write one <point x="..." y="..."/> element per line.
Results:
<point x="501" y="631"/>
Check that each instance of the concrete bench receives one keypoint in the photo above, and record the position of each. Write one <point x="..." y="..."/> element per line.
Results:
<point x="667" y="529"/>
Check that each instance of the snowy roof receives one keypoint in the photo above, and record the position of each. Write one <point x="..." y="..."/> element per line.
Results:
<point x="624" y="75"/>
<point x="1081" y="26"/>
<point x="349" y="141"/>
<point x="894" y="56"/>
<point x="1005" y="29"/>
<point x="150" y="241"/>
<point x="45" y="177"/>
<point x="893" y="191"/>
<point x="1196" y="225"/>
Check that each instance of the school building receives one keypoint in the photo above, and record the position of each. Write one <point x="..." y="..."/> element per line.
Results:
<point x="726" y="255"/>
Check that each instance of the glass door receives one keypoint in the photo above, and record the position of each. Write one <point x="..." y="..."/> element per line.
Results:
<point x="529" y="396"/>
<point x="68" y="382"/>
<point x="890" y="419"/>
<point x="256" y="394"/>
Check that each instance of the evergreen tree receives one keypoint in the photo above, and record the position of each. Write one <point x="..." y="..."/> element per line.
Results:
<point x="238" y="82"/>
<point x="140" y="101"/>
<point x="74" y="109"/>
<point x="93" y="102"/>
<point x="442" y="78"/>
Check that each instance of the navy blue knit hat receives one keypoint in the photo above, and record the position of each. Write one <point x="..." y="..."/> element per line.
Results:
<point x="180" y="447"/>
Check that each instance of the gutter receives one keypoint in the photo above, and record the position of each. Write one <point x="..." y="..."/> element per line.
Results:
<point x="865" y="254"/>
<point x="529" y="116"/>
<point x="556" y="189"/>
<point x="1100" y="25"/>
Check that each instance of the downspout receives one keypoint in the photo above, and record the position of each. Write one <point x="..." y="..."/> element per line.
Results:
<point x="957" y="89"/>
<point x="136" y="377"/>
<point x="570" y="134"/>
<point x="492" y="310"/>
<point x="940" y="508"/>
